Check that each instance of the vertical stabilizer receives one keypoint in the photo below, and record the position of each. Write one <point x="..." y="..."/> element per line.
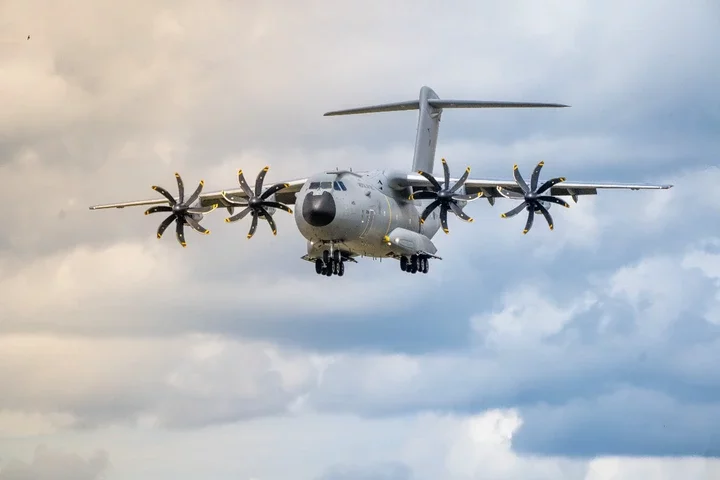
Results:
<point x="427" y="132"/>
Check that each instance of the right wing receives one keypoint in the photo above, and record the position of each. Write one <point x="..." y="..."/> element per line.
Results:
<point x="286" y="195"/>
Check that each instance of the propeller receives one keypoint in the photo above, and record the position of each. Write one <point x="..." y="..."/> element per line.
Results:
<point x="444" y="197"/>
<point x="181" y="211"/>
<point x="532" y="196"/>
<point x="257" y="203"/>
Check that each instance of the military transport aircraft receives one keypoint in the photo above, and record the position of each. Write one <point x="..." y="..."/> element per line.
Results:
<point x="345" y="214"/>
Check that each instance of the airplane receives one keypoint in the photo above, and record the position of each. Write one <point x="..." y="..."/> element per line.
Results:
<point x="344" y="214"/>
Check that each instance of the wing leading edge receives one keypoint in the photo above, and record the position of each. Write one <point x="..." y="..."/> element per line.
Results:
<point x="490" y="188"/>
<point x="285" y="195"/>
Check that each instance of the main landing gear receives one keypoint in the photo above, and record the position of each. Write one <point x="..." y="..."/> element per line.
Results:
<point x="415" y="264"/>
<point x="330" y="265"/>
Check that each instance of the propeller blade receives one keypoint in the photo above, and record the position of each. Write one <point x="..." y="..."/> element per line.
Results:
<point x="430" y="179"/>
<point x="202" y="210"/>
<point x="259" y="180"/>
<point x="253" y="226"/>
<point x="423" y="195"/>
<point x="196" y="226"/>
<point x="428" y="210"/>
<point x="159" y="208"/>
<point x="165" y="194"/>
<point x="458" y="211"/>
<point x="509" y="193"/>
<point x="196" y="193"/>
<point x="467" y="198"/>
<point x="519" y="179"/>
<point x="244" y="184"/>
<point x="546" y="214"/>
<point x="514" y="211"/>
<point x="531" y="217"/>
<point x="536" y="176"/>
<point x="269" y="218"/>
<point x="181" y="188"/>
<point x="273" y="189"/>
<point x="443" y="218"/>
<point x="461" y="181"/>
<point x="548" y="198"/>
<point x="550" y="183"/>
<point x="180" y="231"/>
<point x="277" y="205"/>
<point x="164" y="225"/>
<point x="239" y="216"/>
<point x="446" y="173"/>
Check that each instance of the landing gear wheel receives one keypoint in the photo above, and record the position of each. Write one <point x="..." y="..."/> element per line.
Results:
<point x="335" y="267"/>
<point x="341" y="269"/>
<point x="426" y="265"/>
<point x="403" y="263"/>
<point x="319" y="266"/>
<point x="326" y="257"/>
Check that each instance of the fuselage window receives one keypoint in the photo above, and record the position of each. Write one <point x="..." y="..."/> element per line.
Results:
<point x="314" y="185"/>
<point x="326" y="185"/>
<point x="336" y="186"/>
<point x="342" y="185"/>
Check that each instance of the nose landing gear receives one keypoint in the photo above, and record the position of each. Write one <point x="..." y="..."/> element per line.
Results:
<point x="330" y="264"/>
<point x="415" y="264"/>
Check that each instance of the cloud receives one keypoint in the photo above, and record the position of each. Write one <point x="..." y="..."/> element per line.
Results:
<point x="109" y="334"/>
<point x="48" y="464"/>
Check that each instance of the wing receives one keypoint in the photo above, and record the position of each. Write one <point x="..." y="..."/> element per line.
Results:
<point x="489" y="188"/>
<point x="286" y="195"/>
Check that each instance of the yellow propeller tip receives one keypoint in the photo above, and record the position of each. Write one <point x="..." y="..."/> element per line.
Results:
<point x="207" y="232"/>
<point x="502" y="215"/>
<point x="290" y="210"/>
<point x="551" y="227"/>
<point x="467" y="169"/>
<point x="227" y="220"/>
<point x="266" y="168"/>
<point x="524" y="232"/>
<point x="446" y="230"/>
<point x="471" y="220"/>
<point x="515" y="167"/>
<point x="202" y="182"/>
<point x="541" y="163"/>
<point x="442" y="160"/>
<point x="159" y="236"/>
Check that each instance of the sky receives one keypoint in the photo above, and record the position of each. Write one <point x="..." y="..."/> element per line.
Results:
<point x="585" y="353"/>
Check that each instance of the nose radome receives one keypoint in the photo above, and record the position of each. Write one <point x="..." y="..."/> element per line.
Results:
<point x="319" y="210"/>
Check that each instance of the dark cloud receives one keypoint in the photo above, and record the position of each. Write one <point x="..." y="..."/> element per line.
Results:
<point x="386" y="471"/>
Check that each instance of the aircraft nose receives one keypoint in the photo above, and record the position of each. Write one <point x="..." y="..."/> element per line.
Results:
<point x="319" y="210"/>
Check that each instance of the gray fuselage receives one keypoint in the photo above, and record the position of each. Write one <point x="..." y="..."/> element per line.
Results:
<point x="355" y="212"/>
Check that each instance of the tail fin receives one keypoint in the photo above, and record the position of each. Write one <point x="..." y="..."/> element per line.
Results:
<point x="431" y="108"/>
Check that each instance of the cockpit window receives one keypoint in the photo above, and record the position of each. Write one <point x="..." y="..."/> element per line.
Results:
<point x="339" y="186"/>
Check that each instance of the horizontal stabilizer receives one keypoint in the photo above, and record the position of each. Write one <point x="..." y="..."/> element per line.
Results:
<point x="387" y="107"/>
<point x="441" y="103"/>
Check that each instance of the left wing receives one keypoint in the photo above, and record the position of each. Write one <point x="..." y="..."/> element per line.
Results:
<point x="492" y="189"/>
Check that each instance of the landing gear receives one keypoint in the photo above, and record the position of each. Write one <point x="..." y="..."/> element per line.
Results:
<point x="415" y="264"/>
<point x="330" y="264"/>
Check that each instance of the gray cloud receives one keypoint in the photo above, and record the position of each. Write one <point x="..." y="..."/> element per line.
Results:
<point x="106" y="102"/>
<point x="48" y="464"/>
